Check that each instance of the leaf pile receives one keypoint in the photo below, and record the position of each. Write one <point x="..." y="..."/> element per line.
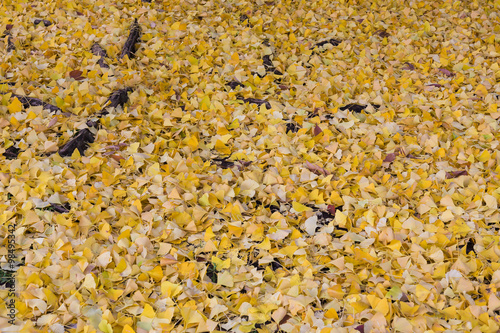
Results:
<point x="276" y="166"/>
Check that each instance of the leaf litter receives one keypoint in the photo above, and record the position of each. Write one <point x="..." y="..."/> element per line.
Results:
<point x="278" y="167"/>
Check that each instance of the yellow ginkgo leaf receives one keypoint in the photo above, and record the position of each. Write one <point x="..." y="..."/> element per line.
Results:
<point x="15" y="106"/>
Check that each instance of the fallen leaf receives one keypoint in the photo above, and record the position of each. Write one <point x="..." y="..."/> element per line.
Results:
<point x="390" y="157"/>
<point x="455" y="174"/>
<point x="316" y="169"/>
<point x="409" y="66"/>
<point x="446" y="72"/>
<point x="317" y="130"/>
<point x="76" y="74"/>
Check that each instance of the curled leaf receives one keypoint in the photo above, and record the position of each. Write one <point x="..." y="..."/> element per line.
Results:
<point x="446" y="72"/>
<point x="268" y="63"/>
<point x="455" y="174"/>
<point x="316" y="169"/>
<point x="168" y="260"/>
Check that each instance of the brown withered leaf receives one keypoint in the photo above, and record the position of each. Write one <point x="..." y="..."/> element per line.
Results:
<point x="317" y="130"/>
<point x="285" y="319"/>
<point x="390" y="157"/>
<point x="98" y="50"/>
<point x="316" y="169"/>
<point x="382" y="33"/>
<point x="243" y="164"/>
<point x="446" y="72"/>
<point x="76" y="74"/>
<point x="331" y="209"/>
<point x="455" y="174"/>
<point x="117" y="158"/>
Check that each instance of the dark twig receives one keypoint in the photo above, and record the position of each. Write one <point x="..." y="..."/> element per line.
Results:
<point x="292" y="127"/>
<point x="269" y="66"/>
<point x="233" y="84"/>
<point x="11" y="153"/>
<point x="80" y="141"/>
<point x="99" y="51"/>
<point x="133" y="37"/>
<point x="223" y="162"/>
<point x="333" y="41"/>
<point x="10" y="41"/>
<point x="257" y="101"/>
<point x="117" y="98"/>
<point x="32" y="101"/>
<point x="356" y="107"/>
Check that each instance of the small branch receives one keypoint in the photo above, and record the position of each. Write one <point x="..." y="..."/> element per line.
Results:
<point x="129" y="48"/>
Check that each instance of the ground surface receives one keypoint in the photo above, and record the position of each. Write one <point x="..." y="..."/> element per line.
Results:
<point x="254" y="178"/>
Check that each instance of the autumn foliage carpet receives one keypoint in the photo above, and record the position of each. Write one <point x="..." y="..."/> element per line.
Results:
<point x="251" y="166"/>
